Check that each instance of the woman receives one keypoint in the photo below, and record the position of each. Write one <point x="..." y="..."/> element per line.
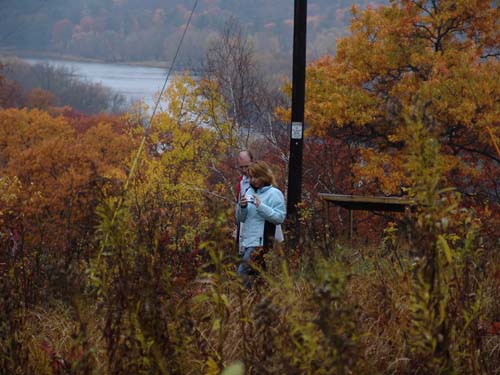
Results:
<point x="261" y="208"/>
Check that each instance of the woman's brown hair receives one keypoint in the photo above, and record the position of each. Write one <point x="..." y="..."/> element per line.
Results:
<point x="260" y="169"/>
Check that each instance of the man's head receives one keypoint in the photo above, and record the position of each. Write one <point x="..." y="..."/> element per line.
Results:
<point x="245" y="158"/>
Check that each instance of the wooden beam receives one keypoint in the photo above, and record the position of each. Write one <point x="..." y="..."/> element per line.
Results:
<point x="368" y="203"/>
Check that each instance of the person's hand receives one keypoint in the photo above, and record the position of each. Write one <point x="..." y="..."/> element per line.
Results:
<point x="243" y="201"/>
<point x="257" y="200"/>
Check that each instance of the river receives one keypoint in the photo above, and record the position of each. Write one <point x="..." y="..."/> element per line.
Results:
<point x="133" y="82"/>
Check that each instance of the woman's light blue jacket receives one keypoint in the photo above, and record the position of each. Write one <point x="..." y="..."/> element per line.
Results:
<point x="272" y="208"/>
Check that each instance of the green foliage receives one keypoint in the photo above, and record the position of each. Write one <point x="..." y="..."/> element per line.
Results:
<point x="300" y="326"/>
<point x="234" y="369"/>
<point x="13" y="354"/>
<point x="445" y="302"/>
<point x="133" y="294"/>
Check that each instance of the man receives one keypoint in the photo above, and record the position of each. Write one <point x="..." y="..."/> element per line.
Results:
<point x="245" y="158"/>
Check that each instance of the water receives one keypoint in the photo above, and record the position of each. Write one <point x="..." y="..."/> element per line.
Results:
<point x="133" y="82"/>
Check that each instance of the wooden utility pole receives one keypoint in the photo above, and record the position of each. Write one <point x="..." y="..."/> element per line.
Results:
<point x="297" y="125"/>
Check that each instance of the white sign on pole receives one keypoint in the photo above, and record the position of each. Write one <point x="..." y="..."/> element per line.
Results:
<point x="297" y="130"/>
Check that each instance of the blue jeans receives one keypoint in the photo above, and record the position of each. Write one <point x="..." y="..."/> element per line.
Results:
<point x="244" y="268"/>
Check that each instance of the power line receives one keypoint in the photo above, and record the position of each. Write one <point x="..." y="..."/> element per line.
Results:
<point x="173" y="61"/>
<point x="143" y="141"/>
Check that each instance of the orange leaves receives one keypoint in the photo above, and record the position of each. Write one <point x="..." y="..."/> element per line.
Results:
<point x="107" y="149"/>
<point x="21" y="130"/>
<point x="58" y="170"/>
<point x="38" y="98"/>
<point x="383" y="171"/>
<point x="462" y="90"/>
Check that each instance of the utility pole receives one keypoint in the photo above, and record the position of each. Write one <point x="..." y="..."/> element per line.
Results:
<point x="297" y="125"/>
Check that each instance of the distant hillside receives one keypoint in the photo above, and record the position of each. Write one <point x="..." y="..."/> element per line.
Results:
<point x="149" y="30"/>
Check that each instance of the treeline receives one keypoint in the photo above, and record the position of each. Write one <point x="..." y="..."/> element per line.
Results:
<point x="150" y="30"/>
<point x="43" y="86"/>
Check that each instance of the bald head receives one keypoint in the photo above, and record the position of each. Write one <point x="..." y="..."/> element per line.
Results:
<point x="244" y="160"/>
<point x="245" y="156"/>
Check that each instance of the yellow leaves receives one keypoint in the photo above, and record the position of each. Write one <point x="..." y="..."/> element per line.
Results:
<point x="181" y="98"/>
<point x="284" y="114"/>
<point x="212" y="367"/>
<point x="335" y="98"/>
<point x="10" y="189"/>
<point x="183" y="148"/>
<point x="443" y="244"/>
<point x="382" y="46"/>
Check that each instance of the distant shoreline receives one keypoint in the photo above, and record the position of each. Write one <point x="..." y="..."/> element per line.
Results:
<point x="22" y="53"/>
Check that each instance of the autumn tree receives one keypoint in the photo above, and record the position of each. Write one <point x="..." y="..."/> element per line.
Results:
<point x="185" y="149"/>
<point x="442" y="56"/>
